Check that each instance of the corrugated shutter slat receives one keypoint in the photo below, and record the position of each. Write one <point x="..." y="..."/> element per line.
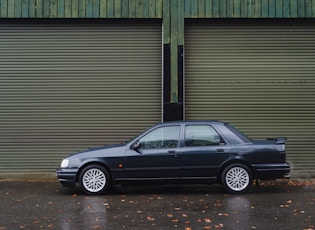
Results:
<point x="258" y="77"/>
<point x="68" y="87"/>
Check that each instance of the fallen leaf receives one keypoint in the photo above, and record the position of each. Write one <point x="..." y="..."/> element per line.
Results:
<point x="219" y="226"/>
<point x="207" y="220"/>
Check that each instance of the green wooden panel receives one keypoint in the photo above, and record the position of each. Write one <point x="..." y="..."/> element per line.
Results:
<point x="68" y="9"/>
<point x="103" y="8"/>
<point x="201" y="8"/>
<point x="132" y="8"/>
<point x="286" y="9"/>
<point x="125" y="8"/>
<point x="294" y="8"/>
<point x="250" y="9"/>
<point x="139" y="8"/>
<point x="117" y="8"/>
<point x="187" y="9"/>
<point x="32" y="9"/>
<point x="265" y="9"/>
<point x="216" y="8"/>
<point x="61" y="8"/>
<point x="193" y="9"/>
<point x="53" y="8"/>
<point x="230" y="8"/>
<point x="159" y="8"/>
<point x="152" y="8"/>
<point x="181" y="22"/>
<point x="145" y="8"/>
<point x="81" y="8"/>
<point x="96" y="8"/>
<point x="46" y="9"/>
<point x="208" y="8"/>
<point x="166" y="22"/>
<point x="39" y="9"/>
<point x="237" y="8"/>
<point x="222" y="7"/>
<point x="313" y="8"/>
<point x="258" y="9"/>
<point x="18" y="8"/>
<point x="4" y="8"/>
<point x="88" y="9"/>
<point x="301" y="8"/>
<point x="308" y="8"/>
<point x="75" y="8"/>
<point x="25" y="8"/>
<point x="110" y="8"/>
<point x="174" y="43"/>
<point x="272" y="8"/>
<point x="244" y="8"/>
<point x="279" y="9"/>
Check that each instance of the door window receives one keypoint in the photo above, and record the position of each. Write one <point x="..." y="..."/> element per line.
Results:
<point x="201" y="135"/>
<point x="163" y="137"/>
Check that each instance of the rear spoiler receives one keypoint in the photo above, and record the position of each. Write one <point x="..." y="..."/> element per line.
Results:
<point x="278" y="140"/>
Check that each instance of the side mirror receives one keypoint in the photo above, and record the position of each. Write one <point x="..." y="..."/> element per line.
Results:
<point x="137" y="146"/>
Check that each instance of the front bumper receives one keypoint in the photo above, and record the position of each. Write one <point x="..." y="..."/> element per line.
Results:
<point x="271" y="171"/>
<point x="67" y="177"/>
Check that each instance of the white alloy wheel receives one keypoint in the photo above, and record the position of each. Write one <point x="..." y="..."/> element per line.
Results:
<point x="237" y="178"/>
<point x="94" y="180"/>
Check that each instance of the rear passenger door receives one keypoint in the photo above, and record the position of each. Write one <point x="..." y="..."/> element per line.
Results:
<point x="203" y="152"/>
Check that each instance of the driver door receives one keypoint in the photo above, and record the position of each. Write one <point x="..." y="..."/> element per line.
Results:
<point x="156" y="157"/>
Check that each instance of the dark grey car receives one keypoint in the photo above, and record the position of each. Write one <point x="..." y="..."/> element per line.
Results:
<point x="184" y="151"/>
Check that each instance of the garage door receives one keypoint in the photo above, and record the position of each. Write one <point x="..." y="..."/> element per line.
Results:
<point x="68" y="87"/>
<point x="260" y="77"/>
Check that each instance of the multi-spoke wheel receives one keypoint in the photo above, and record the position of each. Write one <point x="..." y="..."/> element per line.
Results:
<point x="237" y="178"/>
<point x="94" y="180"/>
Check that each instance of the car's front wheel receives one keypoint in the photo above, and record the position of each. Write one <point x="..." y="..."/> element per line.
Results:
<point x="94" y="180"/>
<point x="237" y="178"/>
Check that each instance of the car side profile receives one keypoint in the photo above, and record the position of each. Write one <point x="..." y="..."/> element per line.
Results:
<point x="183" y="151"/>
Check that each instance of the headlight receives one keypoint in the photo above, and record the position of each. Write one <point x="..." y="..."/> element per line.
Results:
<point x="64" y="163"/>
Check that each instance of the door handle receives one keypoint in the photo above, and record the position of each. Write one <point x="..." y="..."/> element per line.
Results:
<point x="220" y="150"/>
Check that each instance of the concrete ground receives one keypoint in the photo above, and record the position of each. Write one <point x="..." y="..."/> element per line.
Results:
<point x="47" y="205"/>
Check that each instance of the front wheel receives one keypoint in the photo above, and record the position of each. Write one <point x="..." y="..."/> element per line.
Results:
<point x="237" y="178"/>
<point x="94" y="180"/>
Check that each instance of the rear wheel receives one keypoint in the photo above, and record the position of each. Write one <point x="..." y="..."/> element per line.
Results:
<point x="237" y="178"/>
<point x="94" y="180"/>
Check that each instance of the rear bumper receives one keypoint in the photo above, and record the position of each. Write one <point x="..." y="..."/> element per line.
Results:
<point x="67" y="177"/>
<point x="271" y="171"/>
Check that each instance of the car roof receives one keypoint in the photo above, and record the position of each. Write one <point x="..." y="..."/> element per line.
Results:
<point x="192" y="122"/>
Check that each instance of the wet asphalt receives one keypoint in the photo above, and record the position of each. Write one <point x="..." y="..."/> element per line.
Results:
<point x="47" y="205"/>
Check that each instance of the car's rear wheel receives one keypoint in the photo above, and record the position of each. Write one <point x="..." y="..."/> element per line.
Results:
<point x="237" y="178"/>
<point x="94" y="180"/>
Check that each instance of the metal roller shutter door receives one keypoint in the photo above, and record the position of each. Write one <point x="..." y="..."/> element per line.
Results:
<point x="261" y="78"/>
<point x="68" y="87"/>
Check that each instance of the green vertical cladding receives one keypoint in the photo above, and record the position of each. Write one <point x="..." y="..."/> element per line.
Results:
<point x="157" y="9"/>
<point x="174" y="43"/>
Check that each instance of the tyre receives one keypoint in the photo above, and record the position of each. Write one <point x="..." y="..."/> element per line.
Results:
<point x="237" y="178"/>
<point x="94" y="180"/>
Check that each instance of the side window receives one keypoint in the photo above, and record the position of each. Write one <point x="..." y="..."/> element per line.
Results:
<point x="201" y="135"/>
<point x="164" y="137"/>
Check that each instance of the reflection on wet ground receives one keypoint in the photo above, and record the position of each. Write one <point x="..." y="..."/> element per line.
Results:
<point x="273" y="205"/>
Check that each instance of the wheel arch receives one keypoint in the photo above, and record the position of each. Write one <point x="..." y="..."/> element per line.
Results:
<point x="102" y="164"/>
<point x="234" y="161"/>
